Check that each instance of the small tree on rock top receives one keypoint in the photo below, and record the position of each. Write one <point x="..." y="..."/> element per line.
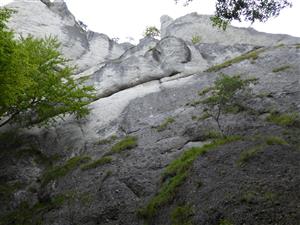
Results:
<point x="151" y="31"/>
<point x="224" y="97"/>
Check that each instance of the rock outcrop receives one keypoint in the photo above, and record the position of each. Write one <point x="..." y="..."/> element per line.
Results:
<point x="44" y="18"/>
<point x="107" y="168"/>
<point x="200" y="25"/>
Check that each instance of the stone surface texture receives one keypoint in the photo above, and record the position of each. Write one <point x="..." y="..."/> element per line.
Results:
<point x="140" y="89"/>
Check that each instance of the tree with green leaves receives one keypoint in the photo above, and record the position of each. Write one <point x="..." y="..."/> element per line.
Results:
<point x="36" y="83"/>
<point x="248" y="10"/>
<point x="225" y="96"/>
<point x="151" y="31"/>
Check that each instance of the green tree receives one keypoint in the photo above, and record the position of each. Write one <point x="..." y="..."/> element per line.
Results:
<point x="151" y="31"/>
<point x="36" y="82"/>
<point x="248" y="10"/>
<point x="225" y="96"/>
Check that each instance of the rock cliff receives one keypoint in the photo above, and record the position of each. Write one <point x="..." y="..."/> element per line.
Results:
<point x="113" y="167"/>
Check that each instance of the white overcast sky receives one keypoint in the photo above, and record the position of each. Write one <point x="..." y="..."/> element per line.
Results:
<point x="129" y="18"/>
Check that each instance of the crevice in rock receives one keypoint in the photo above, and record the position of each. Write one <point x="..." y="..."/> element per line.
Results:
<point x="131" y="188"/>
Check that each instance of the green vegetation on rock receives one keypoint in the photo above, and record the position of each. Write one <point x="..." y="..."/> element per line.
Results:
<point x="181" y="215"/>
<point x="250" y="10"/>
<point x="127" y="143"/>
<point x="284" y="119"/>
<point x="36" y="83"/>
<point x="176" y="173"/>
<point x="56" y="172"/>
<point x="248" y="154"/>
<point x="151" y="31"/>
<point x="253" y="55"/>
<point x="26" y="215"/>
<point x="107" y="140"/>
<point x="281" y="68"/>
<point x="225" y="222"/>
<point x="96" y="163"/>
<point x="196" y="39"/>
<point x="7" y="190"/>
<point x="165" y="124"/>
<point x="227" y="94"/>
<point x="274" y="140"/>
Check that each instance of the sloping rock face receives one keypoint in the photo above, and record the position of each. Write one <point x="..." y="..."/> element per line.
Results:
<point x="200" y="25"/>
<point x="85" y="47"/>
<point x="107" y="168"/>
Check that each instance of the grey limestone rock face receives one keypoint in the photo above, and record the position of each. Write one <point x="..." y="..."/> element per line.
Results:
<point x="137" y="66"/>
<point x="165" y="21"/>
<point x="42" y="19"/>
<point x="141" y="96"/>
<point x="172" y="52"/>
<point x="145" y="45"/>
<point x="200" y="25"/>
<point x="140" y="111"/>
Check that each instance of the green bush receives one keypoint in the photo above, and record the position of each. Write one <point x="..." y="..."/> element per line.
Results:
<point x="151" y="31"/>
<point x="36" y="82"/>
<point x="227" y="93"/>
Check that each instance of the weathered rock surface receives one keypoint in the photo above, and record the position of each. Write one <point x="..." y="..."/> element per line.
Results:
<point x="151" y="92"/>
<point x="85" y="48"/>
<point x="200" y="25"/>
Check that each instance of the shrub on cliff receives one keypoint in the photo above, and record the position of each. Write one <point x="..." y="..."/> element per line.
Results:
<point x="36" y="82"/>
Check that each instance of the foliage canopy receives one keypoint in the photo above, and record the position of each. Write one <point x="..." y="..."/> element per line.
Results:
<point x="248" y="10"/>
<point x="36" y="82"/>
<point x="225" y="96"/>
<point x="151" y="32"/>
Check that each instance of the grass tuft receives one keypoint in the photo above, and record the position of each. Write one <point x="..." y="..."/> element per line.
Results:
<point x="273" y="140"/>
<point x="176" y="173"/>
<point x="165" y="124"/>
<point x="181" y="215"/>
<point x="26" y="215"/>
<point x="225" y="222"/>
<point x="281" y="68"/>
<point x="253" y="55"/>
<point x="196" y="39"/>
<point x="107" y="140"/>
<point x="127" y="143"/>
<point x="7" y="190"/>
<point x="62" y="170"/>
<point x="96" y="163"/>
<point x="284" y="119"/>
<point x="247" y="155"/>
